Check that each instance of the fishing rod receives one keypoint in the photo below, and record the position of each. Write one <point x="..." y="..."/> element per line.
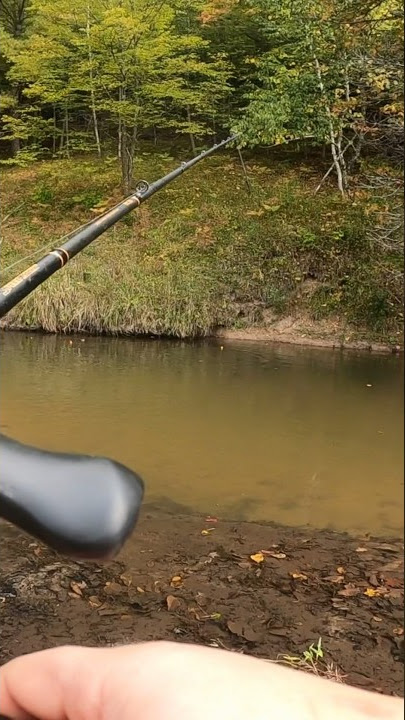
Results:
<point x="23" y="284"/>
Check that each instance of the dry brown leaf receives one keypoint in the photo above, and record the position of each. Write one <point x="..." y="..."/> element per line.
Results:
<point x="113" y="588"/>
<point x="373" y="592"/>
<point x="335" y="578"/>
<point x="340" y="570"/>
<point x="277" y="555"/>
<point x="172" y="602"/>
<point x="398" y="631"/>
<point x="176" y="581"/>
<point x="299" y="576"/>
<point x="349" y="590"/>
<point x="257" y="557"/>
<point x="77" y="587"/>
<point x="94" y="601"/>
<point x="393" y="582"/>
<point x="238" y="628"/>
<point x="126" y="579"/>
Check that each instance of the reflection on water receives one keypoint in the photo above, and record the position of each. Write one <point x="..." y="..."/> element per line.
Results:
<point x="277" y="433"/>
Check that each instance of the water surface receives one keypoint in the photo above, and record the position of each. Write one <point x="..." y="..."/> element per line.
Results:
<point x="256" y="432"/>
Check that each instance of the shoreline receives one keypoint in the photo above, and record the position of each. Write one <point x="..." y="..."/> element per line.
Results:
<point x="283" y="332"/>
<point x="266" y="590"/>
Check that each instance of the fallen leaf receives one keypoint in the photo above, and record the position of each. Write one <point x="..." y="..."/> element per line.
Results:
<point x="172" y="603"/>
<point x="371" y="592"/>
<point x="299" y="576"/>
<point x="386" y="546"/>
<point x="340" y="604"/>
<point x="277" y="555"/>
<point x="243" y="631"/>
<point x="176" y="581"/>
<point x="280" y="632"/>
<point x="396" y="594"/>
<point x="113" y="588"/>
<point x="257" y="557"/>
<point x="393" y="565"/>
<point x="77" y="587"/>
<point x="94" y="601"/>
<point x="335" y="578"/>
<point x="393" y="582"/>
<point x="126" y="579"/>
<point x="362" y="549"/>
<point x="340" y="570"/>
<point x="210" y="519"/>
<point x="213" y="554"/>
<point x="207" y="531"/>
<point x="140" y="589"/>
<point x="216" y="616"/>
<point x="256" y="213"/>
<point x="376" y="619"/>
<point x="398" y="631"/>
<point x="349" y="590"/>
<point x="186" y="211"/>
<point x="74" y="595"/>
<point x="271" y="208"/>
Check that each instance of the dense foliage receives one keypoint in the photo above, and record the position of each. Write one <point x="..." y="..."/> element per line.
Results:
<point x="102" y="74"/>
<point x="101" y="81"/>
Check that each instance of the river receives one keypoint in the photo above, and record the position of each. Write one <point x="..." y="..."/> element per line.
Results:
<point x="294" y="435"/>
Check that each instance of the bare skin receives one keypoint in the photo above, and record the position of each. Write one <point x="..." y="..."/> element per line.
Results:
<point x="172" y="681"/>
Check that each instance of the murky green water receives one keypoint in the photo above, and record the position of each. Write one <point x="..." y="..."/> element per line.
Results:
<point x="256" y="432"/>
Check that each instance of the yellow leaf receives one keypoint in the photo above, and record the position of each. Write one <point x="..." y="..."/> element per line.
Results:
<point x="299" y="576"/>
<point x="176" y="581"/>
<point x="207" y="531"/>
<point x="186" y="211"/>
<point x="257" y="557"/>
<point x="370" y="592"/>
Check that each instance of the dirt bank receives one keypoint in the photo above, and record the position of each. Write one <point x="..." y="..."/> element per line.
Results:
<point x="193" y="579"/>
<point x="303" y="330"/>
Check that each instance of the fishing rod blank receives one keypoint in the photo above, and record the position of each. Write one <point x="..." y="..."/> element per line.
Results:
<point x="23" y="284"/>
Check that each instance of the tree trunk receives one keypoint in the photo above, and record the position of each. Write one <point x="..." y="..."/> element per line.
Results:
<point x="126" y="160"/>
<point x="191" y="135"/>
<point x="336" y="155"/>
<point x="54" y="132"/>
<point x="15" y="146"/>
<point x="92" y="93"/>
<point x="119" y="147"/>
<point x="67" y="138"/>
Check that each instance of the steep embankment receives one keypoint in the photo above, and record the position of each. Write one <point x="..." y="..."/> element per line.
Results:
<point x="205" y="255"/>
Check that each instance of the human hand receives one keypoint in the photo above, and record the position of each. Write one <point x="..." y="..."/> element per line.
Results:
<point x="173" y="681"/>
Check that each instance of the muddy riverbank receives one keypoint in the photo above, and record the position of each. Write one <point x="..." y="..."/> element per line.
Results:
<point x="266" y="590"/>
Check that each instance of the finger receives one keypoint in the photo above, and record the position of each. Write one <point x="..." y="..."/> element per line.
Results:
<point x="47" y="685"/>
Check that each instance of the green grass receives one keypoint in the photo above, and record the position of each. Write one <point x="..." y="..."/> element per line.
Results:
<point x="201" y="253"/>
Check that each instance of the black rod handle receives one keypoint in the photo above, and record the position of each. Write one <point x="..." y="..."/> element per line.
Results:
<point x="84" y="507"/>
